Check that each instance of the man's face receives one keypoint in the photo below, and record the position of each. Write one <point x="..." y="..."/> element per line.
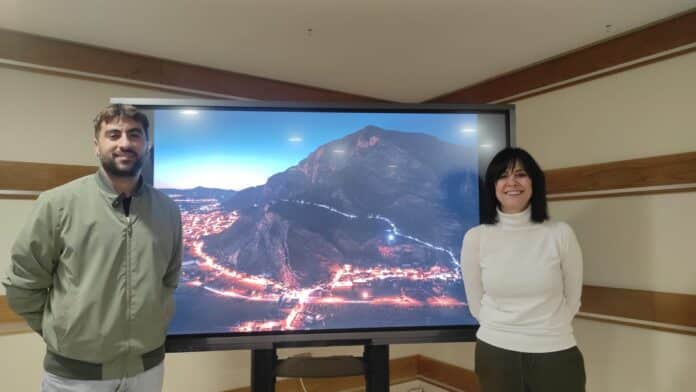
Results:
<point x="121" y="146"/>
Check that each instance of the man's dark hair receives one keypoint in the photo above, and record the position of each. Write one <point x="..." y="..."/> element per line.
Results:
<point x="502" y="161"/>
<point x="117" y="110"/>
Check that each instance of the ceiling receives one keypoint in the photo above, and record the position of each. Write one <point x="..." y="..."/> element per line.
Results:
<point x="397" y="50"/>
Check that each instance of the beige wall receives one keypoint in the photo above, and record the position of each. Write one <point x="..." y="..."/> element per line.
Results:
<point x="642" y="242"/>
<point x="629" y="242"/>
<point x="637" y="113"/>
<point x="48" y="119"/>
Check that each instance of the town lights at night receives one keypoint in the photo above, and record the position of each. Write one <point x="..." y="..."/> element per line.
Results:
<point x="349" y="285"/>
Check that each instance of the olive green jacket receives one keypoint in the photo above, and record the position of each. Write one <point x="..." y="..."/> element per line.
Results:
<point x="97" y="285"/>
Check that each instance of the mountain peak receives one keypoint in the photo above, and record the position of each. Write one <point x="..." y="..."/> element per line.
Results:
<point x="370" y="129"/>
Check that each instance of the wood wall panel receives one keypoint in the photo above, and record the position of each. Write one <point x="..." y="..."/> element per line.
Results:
<point x="447" y="374"/>
<point x="666" y="170"/>
<point x="668" y="308"/>
<point x="579" y="65"/>
<point x="644" y="192"/>
<point x="6" y="314"/>
<point x="635" y="324"/>
<point x="401" y="370"/>
<point x="597" y="75"/>
<point x="286" y="385"/>
<point x="96" y="61"/>
<point x="675" y="169"/>
<point x="648" y="41"/>
<point x="30" y="176"/>
<point x="49" y="52"/>
<point x="10" y="322"/>
<point x="10" y="196"/>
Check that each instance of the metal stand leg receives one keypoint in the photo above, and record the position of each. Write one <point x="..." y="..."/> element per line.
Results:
<point x="376" y="368"/>
<point x="263" y="363"/>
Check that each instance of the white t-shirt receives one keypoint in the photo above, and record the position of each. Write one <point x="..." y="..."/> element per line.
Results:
<point x="523" y="282"/>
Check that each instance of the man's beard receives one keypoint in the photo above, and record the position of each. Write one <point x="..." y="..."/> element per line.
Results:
<point x="109" y="165"/>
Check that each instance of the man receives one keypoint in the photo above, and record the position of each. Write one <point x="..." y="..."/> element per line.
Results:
<point x="94" y="269"/>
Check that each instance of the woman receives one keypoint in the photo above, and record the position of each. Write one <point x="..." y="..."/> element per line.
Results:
<point x="523" y="279"/>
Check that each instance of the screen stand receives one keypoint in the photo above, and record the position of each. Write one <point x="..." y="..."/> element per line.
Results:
<point x="374" y="365"/>
<point x="263" y="372"/>
<point x="376" y="360"/>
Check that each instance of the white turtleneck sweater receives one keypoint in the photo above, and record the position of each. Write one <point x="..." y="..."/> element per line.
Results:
<point x="523" y="282"/>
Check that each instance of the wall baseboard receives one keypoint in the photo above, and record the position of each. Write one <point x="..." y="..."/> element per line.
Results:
<point x="401" y="370"/>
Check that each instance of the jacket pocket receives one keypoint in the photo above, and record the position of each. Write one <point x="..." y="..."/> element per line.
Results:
<point x="56" y="319"/>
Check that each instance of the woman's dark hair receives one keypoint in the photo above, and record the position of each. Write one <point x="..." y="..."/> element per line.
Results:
<point x="501" y="162"/>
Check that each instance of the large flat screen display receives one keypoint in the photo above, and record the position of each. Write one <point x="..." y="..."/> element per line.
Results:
<point x="301" y="219"/>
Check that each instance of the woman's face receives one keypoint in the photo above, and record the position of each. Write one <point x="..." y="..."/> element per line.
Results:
<point x="513" y="189"/>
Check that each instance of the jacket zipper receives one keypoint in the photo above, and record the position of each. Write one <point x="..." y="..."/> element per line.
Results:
<point x="129" y="236"/>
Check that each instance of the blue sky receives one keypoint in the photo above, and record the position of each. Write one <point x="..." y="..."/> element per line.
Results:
<point x="238" y="149"/>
